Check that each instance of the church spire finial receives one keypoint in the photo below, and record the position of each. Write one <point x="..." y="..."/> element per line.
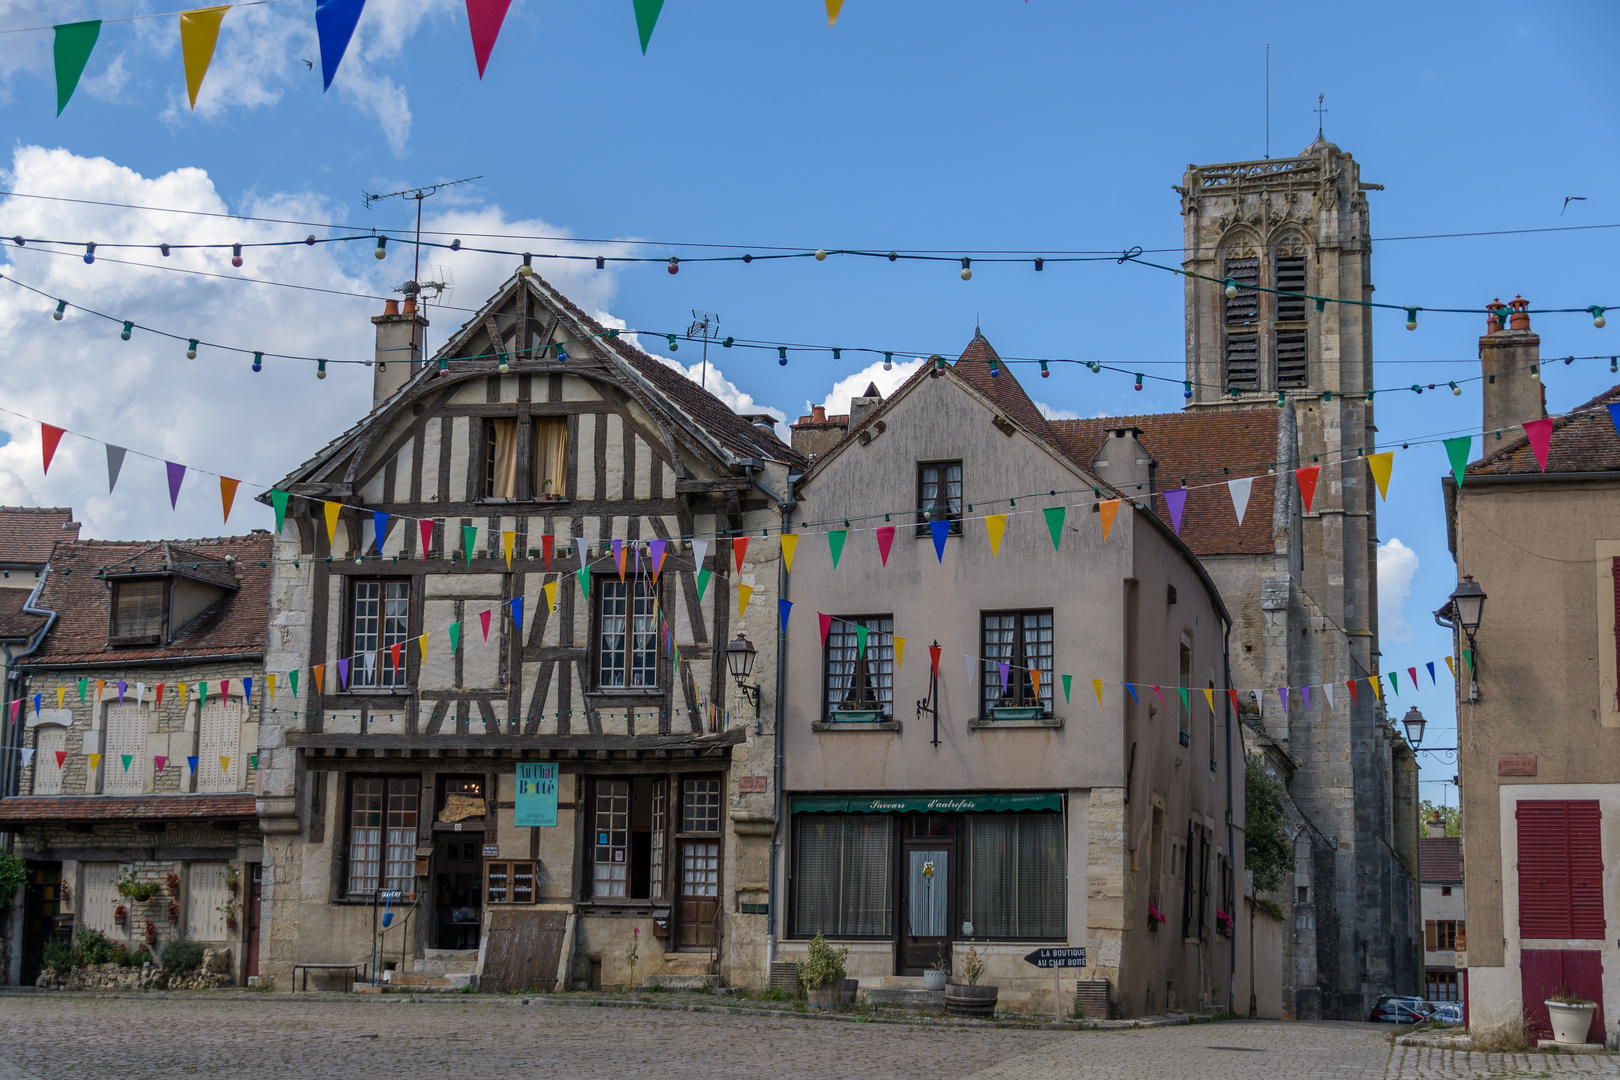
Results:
<point x="1320" y="111"/>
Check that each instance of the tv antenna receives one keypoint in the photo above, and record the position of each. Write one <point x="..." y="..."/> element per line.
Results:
<point x="705" y="325"/>
<point x="413" y="286"/>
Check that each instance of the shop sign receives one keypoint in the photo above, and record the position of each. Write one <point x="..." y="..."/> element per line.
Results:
<point x="536" y="794"/>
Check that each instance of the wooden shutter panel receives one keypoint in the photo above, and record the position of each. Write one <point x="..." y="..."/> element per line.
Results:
<point x="1544" y="885"/>
<point x="1584" y="821"/>
<point x="1614" y="567"/>
<point x="1429" y="936"/>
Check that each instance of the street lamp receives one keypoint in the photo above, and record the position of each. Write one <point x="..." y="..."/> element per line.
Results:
<point x="740" y="653"/>
<point x="1467" y="602"/>
<point x="1414" y="723"/>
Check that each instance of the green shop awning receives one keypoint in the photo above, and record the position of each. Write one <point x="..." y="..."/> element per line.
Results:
<point x="923" y="804"/>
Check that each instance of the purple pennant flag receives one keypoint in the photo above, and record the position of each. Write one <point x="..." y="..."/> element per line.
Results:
<point x="121" y="685"/>
<point x="177" y="473"/>
<point x="1175" y="500"/>
<point x="940" y="529"/>
<point x="343" y="672"/>
<point x="1282" y="692"/>
<point x="1305" y="692"/>
<point x="655" y="556"/>
<point x="618" y="556"/>
<point x="1004" y="669"/>
<point x="517" y="613"/>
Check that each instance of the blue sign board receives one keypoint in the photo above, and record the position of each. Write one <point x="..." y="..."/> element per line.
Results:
<point x="536" y="793"/>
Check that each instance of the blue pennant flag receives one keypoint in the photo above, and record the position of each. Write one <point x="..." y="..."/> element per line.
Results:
<point x="1432" y="679"/>
<point x="247" y="690"/>
<point x="379" y="521"/>
<point x="940" y="529"/>
<point x="517" y="613"/>
<point x="785" y="607"/>
<point x="1132" y="689"/>
<point x="334" y="25"/>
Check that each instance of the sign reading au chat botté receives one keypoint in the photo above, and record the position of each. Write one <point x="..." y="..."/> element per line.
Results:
<point x="536" y="793"/>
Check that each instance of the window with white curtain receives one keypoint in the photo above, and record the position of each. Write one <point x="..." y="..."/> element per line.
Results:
<point x="500" y="459"/>
<point x="843" y="875"/>
<point x="1013" y="875"/>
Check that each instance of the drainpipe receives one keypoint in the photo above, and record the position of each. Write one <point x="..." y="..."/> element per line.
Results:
<point x="11" y="775"/>
<point x="1231" y="843"/>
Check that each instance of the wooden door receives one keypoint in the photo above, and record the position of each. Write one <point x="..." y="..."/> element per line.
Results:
<point x="254" y="898"/>
<point x="927" y="875"/>
<point x="1542" y="972"/>
<point x="525" y="947"/>
<point x="42" y="903"/>
<point x="700" y="893"/>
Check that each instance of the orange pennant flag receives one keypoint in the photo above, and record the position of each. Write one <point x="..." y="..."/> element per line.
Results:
<point x="1108" y="508"/>
<point x="101" y="687"/>
<point x="227" y="494"/>
<point x="1035" y="681"/>
<point x="319" y="671"/>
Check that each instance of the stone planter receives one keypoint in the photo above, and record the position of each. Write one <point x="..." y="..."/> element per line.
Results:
<point x="934" y="981"/>
<point x="833" y="996"/>
<point x="979" y="1001"/>
<point x="1570" y="1023"/>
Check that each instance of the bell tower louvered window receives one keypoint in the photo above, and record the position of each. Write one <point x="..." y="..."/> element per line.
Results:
<point x="1241" y="317"/>
<point x="1289" y="330"/>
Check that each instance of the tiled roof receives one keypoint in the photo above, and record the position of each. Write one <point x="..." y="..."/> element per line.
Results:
<point x="27" y="533"/>
<point x="1007" y="392"/>
<point x="235" y="624"/>
<point x="14" y="621"/>
<point x="1583" y="440"/>
<point x="1440" y="860"/>
<point x="169" y="556"/>
<point x="90" y="808"/>
<point x="1197" y="445"/>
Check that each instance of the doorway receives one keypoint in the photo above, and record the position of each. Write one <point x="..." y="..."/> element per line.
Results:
<point x="42" y="904"/>
<point x="698" y="912"/>
<point x="255" y="897"/>
<point x="927" y="866"/>
<point x="458" y="890"/>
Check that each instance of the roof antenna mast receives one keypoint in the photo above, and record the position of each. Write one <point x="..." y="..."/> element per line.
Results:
<point x="412" y="286"/>
<point x="705" y="325"/>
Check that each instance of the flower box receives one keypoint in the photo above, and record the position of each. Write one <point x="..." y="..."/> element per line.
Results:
<point x="1016" y="712"/>
<point x="857" y="715"/>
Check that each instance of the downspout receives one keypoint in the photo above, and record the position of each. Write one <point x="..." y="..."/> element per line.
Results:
<point x="1231" y="840"/>
<point x="11" y="777"/>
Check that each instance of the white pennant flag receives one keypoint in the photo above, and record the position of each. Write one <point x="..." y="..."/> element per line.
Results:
<point x="115" y="464"/>
<point x="968" y="660"/>
<point x="1240" y="495"/>
<point x="140" y="693"/>
<point x="27" y="755"/>
<point x="700" y="551"/>
<point x="1327" y="688"/>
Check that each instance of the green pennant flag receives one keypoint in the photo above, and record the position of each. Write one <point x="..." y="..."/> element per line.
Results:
<point x="1065" y="679"/>
<point x="84" y="686"/>
<point x="1054" y="523"/>
<point x="253" y="761"/>
<point x="127" y="758"/>
<point x="455" y="636"/>
<point x="74" y="43"/>
<point x="860" y="639"/>
<point x="647" y="18"/>
<point x="1468" y="655"/>
<point x="292" y="677"/>
<point x="1395" y="683"/>
<point x="278" y="499"/>
<point x="202" y="693"/>
<point x="1457" y="450"/>
<point x="703" y="582"/>
<point x="583" y="576"/>
<point x="1182" y="690"/>
<point x="835" y="544"/>
<point x="469" y="536"/>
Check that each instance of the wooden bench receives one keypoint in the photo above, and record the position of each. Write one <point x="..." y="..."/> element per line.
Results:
<point x="352" y="969"/>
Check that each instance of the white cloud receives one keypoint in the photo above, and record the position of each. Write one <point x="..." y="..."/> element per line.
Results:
<point x="1397" y="564"/>
<point x="853" y="386"/>
<point x="1055" y="414"/>
<point x="213" y="412"/>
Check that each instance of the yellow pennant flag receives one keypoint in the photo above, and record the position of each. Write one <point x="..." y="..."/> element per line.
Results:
<point x="1380" y="464"/>
<point x="899" y="652"/>
<point x="1209" y="696"/>
<point x="1108" y="508"/>
<point x="995" y="525"/>
<point x="182" y="687"/>
<point x="1096" y="684"/>
<point x="790" y="544"/>
<point x="421" y="644"/>
<point x="332" y="509"/>
<point x="270" y="677"/>
<point x="1451" y="667"/>
<point x="199" y="33"/>
<point x="61" y="692"/>
<point x="550" y="589"/>
<point x="1377" y="684"/>
<point x="225" y="764"/>
<point x="95" y="762"/>
<point x="744" y="592"/>
<point x="507" y="536"/>
<point x="833" y="8"/>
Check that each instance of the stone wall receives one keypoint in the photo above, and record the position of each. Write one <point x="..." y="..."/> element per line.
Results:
<point x="213" y="973"/>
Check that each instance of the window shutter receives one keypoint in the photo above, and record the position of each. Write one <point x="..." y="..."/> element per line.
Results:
<point x="1614" y="567"/>
<point x="1429" y="936"/>
<point x="1544" y="879"/>
<point x="1585" y="869"/>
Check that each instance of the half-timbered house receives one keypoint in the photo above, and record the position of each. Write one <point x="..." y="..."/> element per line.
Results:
<point x="507" y="590"/>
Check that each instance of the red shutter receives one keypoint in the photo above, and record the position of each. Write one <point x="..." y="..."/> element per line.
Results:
<point x="1585" y="869"/>
<point x="1583" y="975"/>
<point x="1544" y="893"/>
<point x="1541" y="972"/>
<point x="1614" y="568"/>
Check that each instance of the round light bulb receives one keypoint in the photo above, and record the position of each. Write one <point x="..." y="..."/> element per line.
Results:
<point x="674" y="265"/>
<point x="90" y="253"/>
<point x="382" y="247"/>
<point x="320" y="369"/>
<point x="502" y="366"/>
<point x="821" y="256"/>
<point x="191" y="349"/>
<point x="888" y="361"/>
<point x="967" y="275"/>
<point x="1231" y="289"/>
<point x="525" y="270"/>
<point x="258" y="361"/>
<point x="61" y="308"/>
<point x="1597" y="316"/>
<point x="125" y="332"/>
<point x="1456" y="390"/>
<point x="236" y="254"/>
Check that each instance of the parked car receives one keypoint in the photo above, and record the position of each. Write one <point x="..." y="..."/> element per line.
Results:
<point x="1448" y="1012"/>
<point x="1391" y="1009"/>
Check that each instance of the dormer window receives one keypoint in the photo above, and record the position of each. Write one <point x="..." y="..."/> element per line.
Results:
<point x="139" y="612"/>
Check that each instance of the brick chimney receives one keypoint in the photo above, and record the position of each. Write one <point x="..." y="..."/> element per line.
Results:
<point x="817" y="433"/>
<point x="1437" y="828"/>
<point x="399" y="347"/>
<point x="1124" y="462"/>
<point x="859" y="407"/>
<point x="1508" y="352"/>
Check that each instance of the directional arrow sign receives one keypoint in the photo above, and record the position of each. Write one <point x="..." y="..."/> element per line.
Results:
<point x="1054" y="958"/>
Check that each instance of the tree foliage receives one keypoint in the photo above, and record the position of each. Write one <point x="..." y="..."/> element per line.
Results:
<point x="1266" y="851"/>
<point x="1451" y="816"/>
<point x="13" y="872"/>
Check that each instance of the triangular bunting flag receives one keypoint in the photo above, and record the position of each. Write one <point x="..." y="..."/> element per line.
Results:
<point x="334" y="25"/>
<point x="1132" y="689"/>
<point x="122" y="686"/>
<point x="1307" y="483"/>
<point x="1451" y="667"/>
<point x="790" y="544"/>
<point x="1096" y="685"/>
<point x="1175" y="501"/>
<point x="95" y="762"/>
<point x="783" y="609"/>
<point x="967" y="662"/>
<point x="1395" y="683"/>
<point x="49" y="437"/>
<point x="546" y="543"/>
<point x="1412" y="674"/>
<point x="1107" y="509"/>
<point x="934" y="652"/>
<point x="225" y="764"/>
<point x="1239" y="490"/>
<point x="995" y="525"/>
<point x="860" y="639"/>
<point x="426" y="528"/>
<point x="1035" y="681"/>
<point x="84" y="687"/>
<point x="1432" y="680"/>
<point x="72" y="48"/>
<point x="292" y="681"/>
<point x="1327" y="689"/>
<point x="115" y="465"/>
<point x="126" y="759"/>
<point x="744" y="592"/>
<point x="583" y="576"/>
<point x="1066" y="680"/>
<point x="27" y="756"/>
<point x="1231" y="695"/>
<point x="939" y="530"/>
<point x="1181" y="691"/>
<point x="61" y="758"/>
<point x="61" y="692"/>
<point x="826" y="625"/>
<point x="1209" y="698"/>
<point x="833" y="8"/>
<point x="700" y="553"/>
<point x="469" y="537"/>
<point x="835" y="544"/>
<point x="618" y="556"/>
<point x="484" y="18"/>
<point x="278" y="499"/>
<point x="483" y="621"/>
<point x="319" y="671"/>
<point x="177" y="476"/>
<point x="703" y="582"/>
<point x="191" y="763"/>
<point x="885" y="539"/>
<point x="1004" y="670"/>
<point x="1377" y="685"/>
<point x="1350" y="684"/>
<point x="1380" y="466"/>
<point x="1157" y="692"/>
<point x="739" y="548"/>
<point x="1457" y="451"/>
<point x="1468" y="658"/>
<point x="1054" y="523"/>
<point x="508" y="537"/>
<point x="421" y="648"/>
<point x="550" y="589"/>
<point x="393" y="655"/>
<point x="199" y="33"/>
<point x="516" y="604"/>
<point x="1305" y="692"/>
<point x="646" y="18"/>
<point x="331" y="510"/>
<point x="899" y="651"/>
<point x="227" y="494"/>
<point x="343" y="673"/>
<point x="1539" y="432"/>
<point x="455" y="636"/>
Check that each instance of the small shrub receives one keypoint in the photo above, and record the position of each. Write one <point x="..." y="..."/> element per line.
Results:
<point x="139" y="891"/>
<point x="139" y="958"/>
<point x="13" y="872"/>
<point x="1510" y="1038"/>
<point x="59" y="956"/>
<point x="776" y="993"/>
<point x="823" y="965"/>
<point x="972" y="966"/>
<point x="182" y="955"/>
<point x="93" y="947"/>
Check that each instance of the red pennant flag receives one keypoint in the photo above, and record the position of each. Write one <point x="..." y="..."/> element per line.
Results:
<point x="393" y="654"/>
<point x="427" y="535"/>
<point x="1231" y="693"/>
<point x="484" y="619"/>
<point x="1539" y="432"/>
<point x="545" y="546"/>
<point x="1307" y="483"/>
<point x="1352" y="685"/>
<point x="160" y="695"/>
<point x="1412" y="671"/>
<point x="739" y="544"/>
<point x="61" y="758"/>
<point x="933" y="658"/>
<point x="885" y="539"/>
<point x="484" y="18"/>
<point x="49" y="437"/>
<point x="826" y="625"/>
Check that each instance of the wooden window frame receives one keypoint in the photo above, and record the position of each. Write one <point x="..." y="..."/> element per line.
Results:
<point x="874" y="624"/>
<point x="892" y="858"/>
<point x="990" y="672"/>
<point x="510" y="869"/>
<point x="114" y="638"/>
<point x="598" y="595"/>
<point x="587" y="801"/>
<point x="406" y="683"/>
<point x="925" y="514"/>
<point x="342" y="882"/>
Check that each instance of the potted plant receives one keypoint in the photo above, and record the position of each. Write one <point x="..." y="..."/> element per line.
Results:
<point x="1571" y="1015"/>
<point x="139" y="891"/>
<point x="172" y="882"/>
<point x="1223" y="923"/>
<point x="934" y="978"/>
<point x="120" y="914"/>
<point x="151" y="933"/>
<point x="173" y="912"/>
<point x="969" y="998"/>
<point x="228" y="909"/>
<point x="821" y="973"/>
<point x="1155" y="916"/>
<point x="233" y="877"/>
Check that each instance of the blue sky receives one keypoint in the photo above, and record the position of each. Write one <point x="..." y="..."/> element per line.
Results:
<point x="951" y="126"/>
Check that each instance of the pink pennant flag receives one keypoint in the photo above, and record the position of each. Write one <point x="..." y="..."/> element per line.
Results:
<point x="885" y="539"/>
<point x="159" y="760"/>
<point x="426" y="525"/>
<point x="484" y="18"/>
<point x="1160" y="694"/>
<point x="1175" y="500"/>
<point x="224" y="688"/>
<point x="1539" y="432"/>
<point x="483" y="618"/>
<point x="826" y="625"/>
